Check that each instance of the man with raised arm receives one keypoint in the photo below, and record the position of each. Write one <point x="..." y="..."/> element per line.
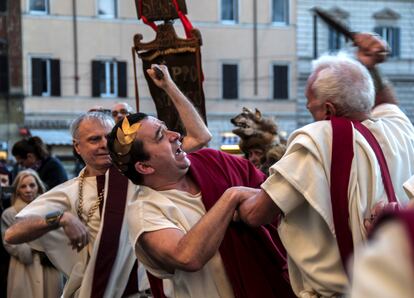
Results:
<point x="88" y="211"/>
<point x="301" y="185"/>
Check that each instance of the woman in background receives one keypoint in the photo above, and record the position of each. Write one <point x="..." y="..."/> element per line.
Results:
<point x="32" y="153"/>
<point x="31" y="274"/>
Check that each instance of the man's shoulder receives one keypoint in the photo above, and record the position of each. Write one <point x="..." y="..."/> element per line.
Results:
<point x="210" y="153"/>
<point x="205" y="152"/>
<point x="207" y="156"/>
<point x="315" y="130"/>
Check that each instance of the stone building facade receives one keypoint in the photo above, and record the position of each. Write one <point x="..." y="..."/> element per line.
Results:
<point x="11" y="78"/>
<point x="394" y="20"/>
<point x="248" y="57"/>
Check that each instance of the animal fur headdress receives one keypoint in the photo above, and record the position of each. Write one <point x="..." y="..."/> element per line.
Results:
<point x="254" y="130"/>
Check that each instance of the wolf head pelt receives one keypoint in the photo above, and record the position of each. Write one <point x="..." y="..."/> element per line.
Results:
<point x="251" y="125"/>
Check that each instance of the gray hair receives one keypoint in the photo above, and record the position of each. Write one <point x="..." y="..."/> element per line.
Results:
<point x="343" y="81"/>
<point x="127" y="106"/>
<point x="96" y="116"/>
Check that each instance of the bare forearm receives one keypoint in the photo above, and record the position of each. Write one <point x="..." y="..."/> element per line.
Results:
<point x="200" y="244"/>
<point x="198" y="134"/>
<point x="386" y="95"/>
<point x="259" y="209"/>
<point x="26" y="230"/>
<point x="384" y="91"/>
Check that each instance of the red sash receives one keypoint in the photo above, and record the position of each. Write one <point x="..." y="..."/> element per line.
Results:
<point x="111" y="230"/>
<point x="342" y="155"/>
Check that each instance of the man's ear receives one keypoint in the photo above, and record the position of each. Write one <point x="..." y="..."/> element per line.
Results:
<point x="330" y="109"/>
<point x="144" y="168"/>
<point x="75" y="146"/>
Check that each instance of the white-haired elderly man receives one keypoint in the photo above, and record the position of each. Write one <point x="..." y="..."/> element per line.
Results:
<point x="305" y="186"/>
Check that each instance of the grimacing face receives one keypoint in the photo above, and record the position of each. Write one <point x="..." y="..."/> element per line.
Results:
<point x="164" y="147"/>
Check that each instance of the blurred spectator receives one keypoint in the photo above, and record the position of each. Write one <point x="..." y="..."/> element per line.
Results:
<point x="30" y="274"/>
<point x="120" y="110"/>
<point x="5" y="176"/>
<point x="32" y="153"/>
<point x="5" y="179"/>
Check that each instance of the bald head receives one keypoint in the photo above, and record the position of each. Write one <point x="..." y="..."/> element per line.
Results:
<point x="120" y="110"/>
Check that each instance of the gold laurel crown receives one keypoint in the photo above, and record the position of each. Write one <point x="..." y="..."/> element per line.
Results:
<point x="125" y="136"/>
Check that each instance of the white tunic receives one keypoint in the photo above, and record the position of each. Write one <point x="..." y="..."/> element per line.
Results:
<point x="300" y="185"/>
<point x="384" y="267"/>
<point x="152" y="211"/>
<point x="79" y="267"/>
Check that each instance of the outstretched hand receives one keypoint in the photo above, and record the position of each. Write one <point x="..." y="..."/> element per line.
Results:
<point x="371" y="48"/>
<point x="75" y="230"/>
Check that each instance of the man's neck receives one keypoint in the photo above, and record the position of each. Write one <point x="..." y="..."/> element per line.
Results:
<point x="89" y="171"/>
<point x="185" y="183"/>
<point x="358" y="116"/>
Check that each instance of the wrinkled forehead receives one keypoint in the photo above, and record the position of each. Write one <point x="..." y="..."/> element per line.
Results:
<point x="149" y="127"/>
<point x="94" y="125"/>
<point x="152" y="121"/>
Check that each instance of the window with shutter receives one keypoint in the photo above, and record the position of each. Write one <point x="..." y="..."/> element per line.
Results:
<point x="280" y="82"/>
<point x="335" y="40"/>
<point x="55" y="77"/>
<point x="122" y="79"/>
<point x="107" y="8"/>
<point x="3" y="5"/>
<point x="229" y="10"/>
<point x="392" y="36"/>
<point x="109" y="78"/>
<point x="96" y="78"/>
<point x="280" y="11"/>
<point x="4" y="74"/>
<point x="45" y="77"/>
<point x="230" y="81"/>
<point x="39" y="6"/>
<point x="37" y="76"/>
